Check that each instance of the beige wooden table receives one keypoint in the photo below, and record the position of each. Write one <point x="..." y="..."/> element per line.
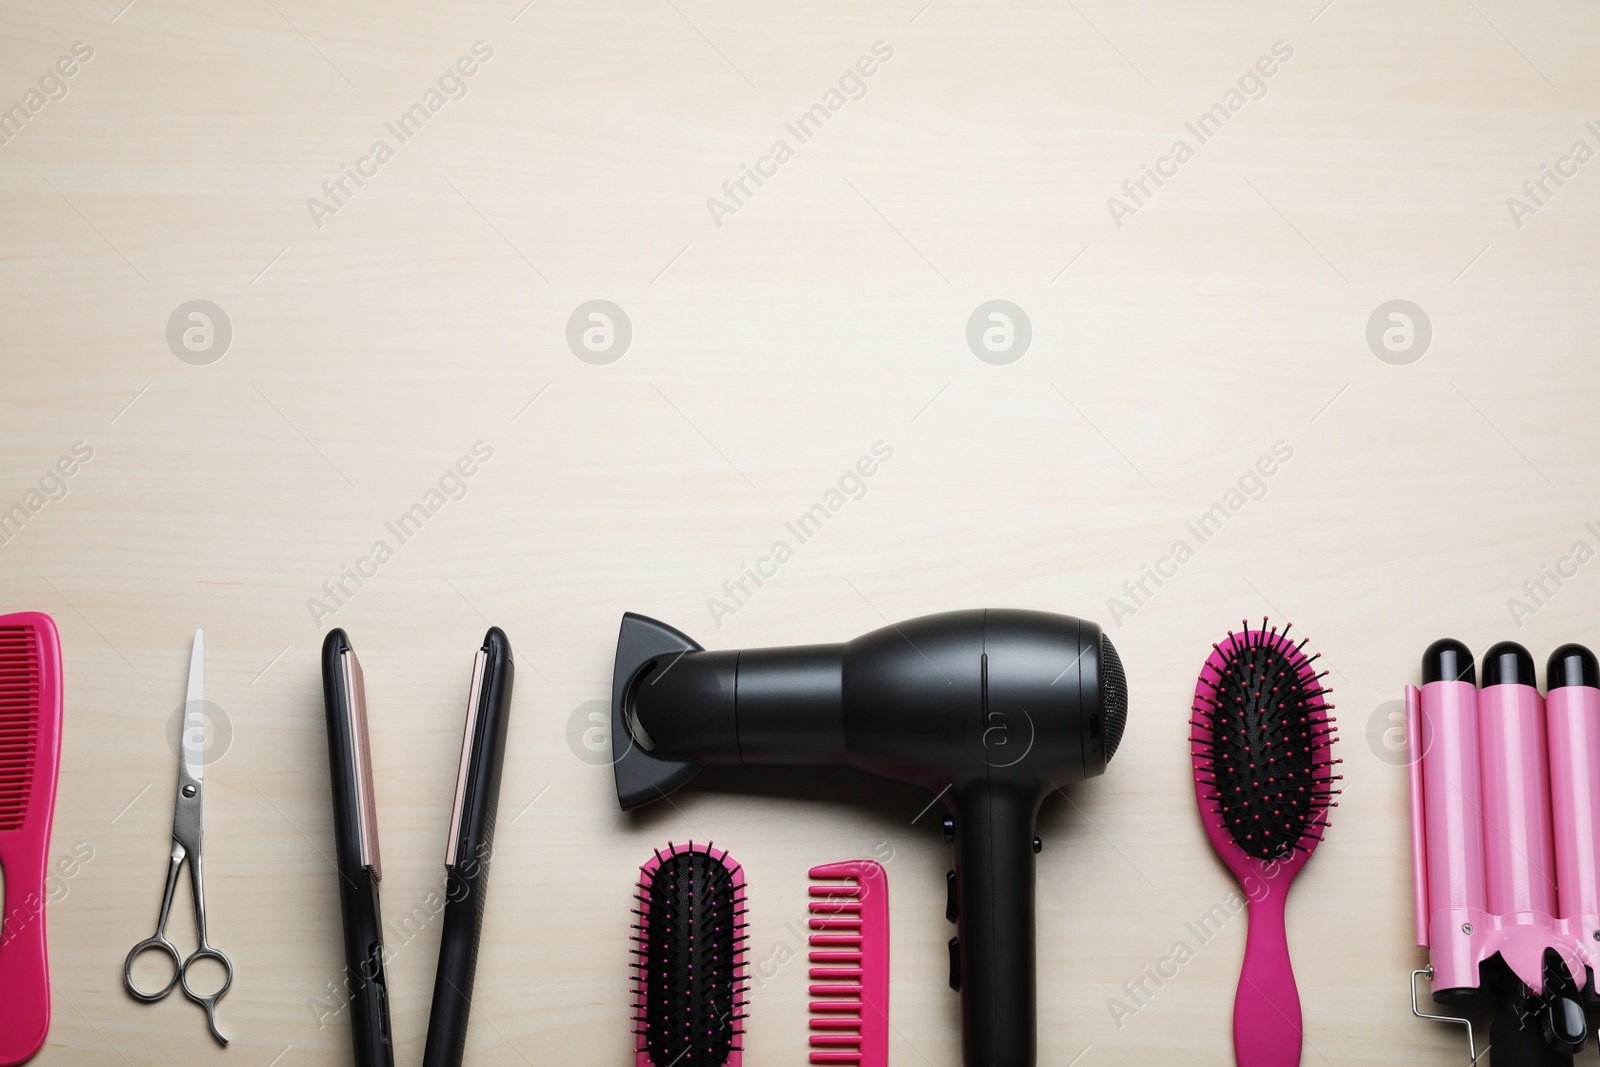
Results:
<point x="374" y="328"/>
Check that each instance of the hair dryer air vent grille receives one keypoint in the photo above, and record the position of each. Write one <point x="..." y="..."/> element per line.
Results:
<point x="1113" y="695"/>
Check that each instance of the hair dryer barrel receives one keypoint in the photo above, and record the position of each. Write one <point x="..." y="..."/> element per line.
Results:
<point x="1452" y="807"/>
<point x="1573" y="714"/>
<point x="762" y="705"/>
<point x="1015" y="694"/>
<point x="1518" y="858"/>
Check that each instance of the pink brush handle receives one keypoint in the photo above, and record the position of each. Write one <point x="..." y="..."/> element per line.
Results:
<point x="1266" y="1009"/>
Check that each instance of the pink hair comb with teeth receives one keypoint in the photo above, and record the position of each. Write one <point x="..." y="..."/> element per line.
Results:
<point x="30" y="751"/>
<point x="850" y="964"/>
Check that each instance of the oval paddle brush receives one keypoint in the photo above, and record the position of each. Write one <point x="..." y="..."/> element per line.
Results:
<point x="689" y="959"/>
<point x="1261" y="739"/>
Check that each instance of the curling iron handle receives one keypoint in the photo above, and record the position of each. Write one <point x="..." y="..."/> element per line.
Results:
<point x="995" y="925"/>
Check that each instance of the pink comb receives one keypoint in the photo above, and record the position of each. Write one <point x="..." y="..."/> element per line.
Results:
<point x="850" y="939"/>
<point x="30" y="750"/>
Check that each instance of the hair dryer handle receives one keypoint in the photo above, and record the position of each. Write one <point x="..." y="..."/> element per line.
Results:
<point x="992" y="956"/>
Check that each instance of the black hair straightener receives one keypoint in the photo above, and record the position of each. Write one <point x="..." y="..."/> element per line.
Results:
<point x="355" y="834"/>
<point x="468" y="850"/>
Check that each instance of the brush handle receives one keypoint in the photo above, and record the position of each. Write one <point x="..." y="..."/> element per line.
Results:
<point x="1266" y="1009"/>
<point x="994" y="953"/>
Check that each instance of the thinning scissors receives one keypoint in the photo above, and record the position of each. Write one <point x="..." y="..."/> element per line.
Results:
<point x="186" y="828"/>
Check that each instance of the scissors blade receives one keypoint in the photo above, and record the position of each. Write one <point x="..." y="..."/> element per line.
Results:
<point x="194" y="715"/>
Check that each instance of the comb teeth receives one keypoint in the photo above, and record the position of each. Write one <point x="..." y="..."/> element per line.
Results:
<point x="689" y="945"/>
<point x="21" y="681"/>
<point x="850" y="964"/>
<point x="1261" y="739"/>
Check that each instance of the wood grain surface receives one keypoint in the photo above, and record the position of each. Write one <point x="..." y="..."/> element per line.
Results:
<point x="1205" y="395"/>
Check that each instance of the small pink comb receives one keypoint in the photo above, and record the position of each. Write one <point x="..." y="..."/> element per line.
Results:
<point x="850" y="940"/>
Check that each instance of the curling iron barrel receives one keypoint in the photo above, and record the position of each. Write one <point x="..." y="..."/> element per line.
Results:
<point x="1573" y="710"/>
<point x="1505" y="796"/>
<point x="1452" y="850"/>
<point x="1516" y="799"/>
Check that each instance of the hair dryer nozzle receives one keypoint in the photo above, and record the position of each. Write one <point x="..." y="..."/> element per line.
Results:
<point x="642" y="776"/>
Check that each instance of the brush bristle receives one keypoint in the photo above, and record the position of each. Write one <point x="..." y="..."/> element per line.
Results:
<point x="688" y="956"/>
<point x="20" y="681"/>
<point x="1262" y="744"/>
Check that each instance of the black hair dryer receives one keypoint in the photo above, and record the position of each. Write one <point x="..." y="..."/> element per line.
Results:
<point x="989" y="709"/>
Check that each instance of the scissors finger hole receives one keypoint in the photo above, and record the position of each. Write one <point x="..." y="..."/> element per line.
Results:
<point x="206" y="976"/>
<point x="152" y="970"/>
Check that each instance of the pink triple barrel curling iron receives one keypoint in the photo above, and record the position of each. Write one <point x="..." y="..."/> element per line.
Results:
<point x="1505" y="838"/>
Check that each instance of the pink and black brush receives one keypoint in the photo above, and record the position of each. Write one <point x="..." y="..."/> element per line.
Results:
<point x="30" y="749"/>
<point x="1262" y="743"/>
<point x="689" y="971"/>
